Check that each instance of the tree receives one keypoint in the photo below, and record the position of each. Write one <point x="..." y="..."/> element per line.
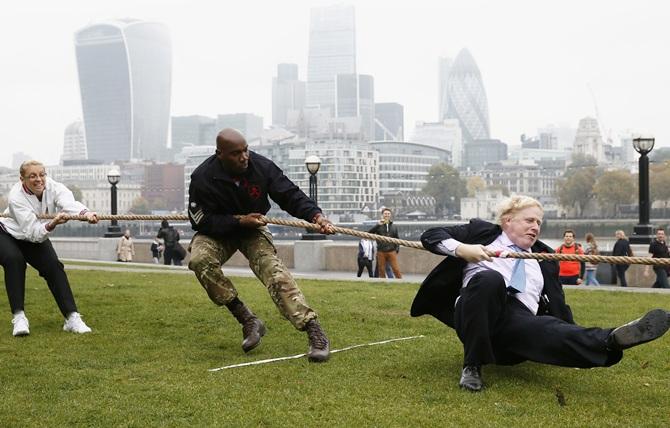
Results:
<point x="575" y="189"/>
<point x="580" y="160"/>
<point x="659" y="182"/>
<point x="446" y="186"/>
<point x="662" y="154"/>
<point x="140" y="206"/>
<point x="614" y="188"/>
<point x="501" y="187"/>
<point x="475" y="184"/>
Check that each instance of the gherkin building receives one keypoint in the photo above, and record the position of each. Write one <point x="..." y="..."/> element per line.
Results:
<point x="466" y="99"/>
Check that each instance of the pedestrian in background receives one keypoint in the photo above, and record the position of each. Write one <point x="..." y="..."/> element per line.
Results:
<point x="570" y="272"/>
<point x="591" y="267"/>
<point x="125" y="249"/>
<point x="367" y="250"/>
<point x="156" y="250"/>
<point x="659" y="249"/>
<point x="170" y="238"/>
<point x="387" y="253"/>
<point x="621" y="248"/>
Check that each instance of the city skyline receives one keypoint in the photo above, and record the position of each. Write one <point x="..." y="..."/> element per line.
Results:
<point x="540" y="64"/>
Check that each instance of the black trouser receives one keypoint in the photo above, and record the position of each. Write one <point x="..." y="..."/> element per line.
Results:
<point x="621" y="274"/>
<point x="15" y="253"/>
<point x="497" y="328"/>
<point x="363" y="263"/>
<point x="171" y="256"/>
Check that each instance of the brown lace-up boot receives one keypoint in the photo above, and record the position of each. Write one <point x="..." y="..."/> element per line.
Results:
<point x="319" y="347"/>
<point x="252" y="327"/>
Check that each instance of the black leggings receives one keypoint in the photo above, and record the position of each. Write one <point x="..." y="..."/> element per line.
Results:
<point x="15" y="253"/>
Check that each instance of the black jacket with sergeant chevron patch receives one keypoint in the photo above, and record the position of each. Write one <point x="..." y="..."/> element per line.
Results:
<point x="215" y="197"/>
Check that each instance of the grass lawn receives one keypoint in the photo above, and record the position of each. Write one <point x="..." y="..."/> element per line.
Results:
<point x="157" y="334"/>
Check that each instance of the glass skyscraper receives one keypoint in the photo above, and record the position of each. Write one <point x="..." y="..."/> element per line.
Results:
<point x="466" y="98"/>
<point x="125" y="73"/>
<point x="332" y="51"/>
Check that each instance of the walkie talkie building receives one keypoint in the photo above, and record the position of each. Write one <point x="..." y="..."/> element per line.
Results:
<point x="125" y="73"/>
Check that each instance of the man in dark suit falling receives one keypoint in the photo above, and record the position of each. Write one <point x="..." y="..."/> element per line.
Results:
<point x="506" y="311"/>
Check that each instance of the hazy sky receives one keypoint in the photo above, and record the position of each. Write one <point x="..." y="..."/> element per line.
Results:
<point x="537" y="59"/>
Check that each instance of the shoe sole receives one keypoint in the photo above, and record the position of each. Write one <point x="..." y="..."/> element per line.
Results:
<point x="21" y="333"/>
<point x="471" y="389"/>
<point x="69" y="330"/>
<point x="319" y="359"/>
<point x="651" y="326"/>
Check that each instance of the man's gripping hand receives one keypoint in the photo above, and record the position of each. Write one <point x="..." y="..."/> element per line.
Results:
<point x="473" y="253"/>
<point x="326" y="225"/>
<point x="252" y="221"/>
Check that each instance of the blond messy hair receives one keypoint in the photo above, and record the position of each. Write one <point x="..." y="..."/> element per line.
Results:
<point x="514" y="204"/>
<point x="28" y="163"/>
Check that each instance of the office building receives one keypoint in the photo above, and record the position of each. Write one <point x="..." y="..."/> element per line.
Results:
<point x="466" y="98"/>
<point x="445" y="135"/>
<point x="479" y="153"/>
<point x="250" y="125"/>
<point x="389" y="122"/>
<point x="192" y="131"/>
<point x="443" y="69"/>
<point x="404" y="166"/>
<point x="356" y="98"/>
<point x="125" y="72"/>
<point x="74" y="143"/>
<point x="288" y="93"/>
<point x="332" y="51"/>
<point x="588" y="140"/>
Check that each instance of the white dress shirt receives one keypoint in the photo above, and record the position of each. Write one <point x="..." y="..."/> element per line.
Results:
<point x="530" y="297"/>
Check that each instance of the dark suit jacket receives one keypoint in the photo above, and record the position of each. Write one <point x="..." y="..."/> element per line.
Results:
<point x="442" y="286"/>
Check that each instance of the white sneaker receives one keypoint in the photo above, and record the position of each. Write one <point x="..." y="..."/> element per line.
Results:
<point x="75" y="324"/>
<point x="20" y="325"/>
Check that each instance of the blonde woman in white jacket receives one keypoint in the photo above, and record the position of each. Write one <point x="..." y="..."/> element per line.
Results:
<point x="24" y="238"/>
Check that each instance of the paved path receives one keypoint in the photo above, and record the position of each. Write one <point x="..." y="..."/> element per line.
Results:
<point x="73" y="264"/>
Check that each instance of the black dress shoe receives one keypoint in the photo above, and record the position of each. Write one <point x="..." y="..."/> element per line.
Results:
<point x="471" y="378"/>
<point x="651" y="326"/>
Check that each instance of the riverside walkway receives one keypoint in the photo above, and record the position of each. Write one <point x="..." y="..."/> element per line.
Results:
<point x="75" y="264"/>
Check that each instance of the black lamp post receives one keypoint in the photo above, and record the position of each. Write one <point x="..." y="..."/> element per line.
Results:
<point x="313" y="163"/>
<point x="113" y="231"/>
<point x="643" y="233"/>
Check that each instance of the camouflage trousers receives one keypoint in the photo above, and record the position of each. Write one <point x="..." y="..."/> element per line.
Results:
<point x="208" y="255"/>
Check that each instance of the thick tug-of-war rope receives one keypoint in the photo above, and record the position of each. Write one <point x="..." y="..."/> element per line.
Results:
<point x="616" y="260"/>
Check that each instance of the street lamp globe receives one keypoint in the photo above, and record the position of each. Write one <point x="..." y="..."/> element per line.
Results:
<point x="313" y="163"/>
<point x="643" y="144"/>
<point x="113" y="176"/>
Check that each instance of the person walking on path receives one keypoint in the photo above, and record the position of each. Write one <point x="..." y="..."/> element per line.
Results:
<point x="621" y="248"/>
<point x="387" y="253"/>
<point x="570" y="271"/>
<point x="170" y="238"/>
<point x="24" y="238"/>
<point x="125" y="250"/>
<point x="156" y="251"/>
<point x="591" y="268"/>
<point x="228" y="195"/>
<point x="366" y="254"/>
<point x="659" y="249"/>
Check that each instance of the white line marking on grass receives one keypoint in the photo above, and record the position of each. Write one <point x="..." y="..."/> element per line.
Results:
<point x="293" y="357"/>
